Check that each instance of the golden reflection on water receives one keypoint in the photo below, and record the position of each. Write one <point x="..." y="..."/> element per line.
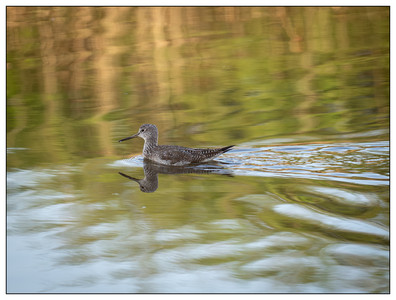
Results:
<point x="113" y="68"/>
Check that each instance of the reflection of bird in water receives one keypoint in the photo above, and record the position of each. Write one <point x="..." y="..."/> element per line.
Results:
<point x="149" y="183"/>
<point x="169" y="154"/>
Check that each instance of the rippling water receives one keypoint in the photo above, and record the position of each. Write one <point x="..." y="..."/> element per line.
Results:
<point x="287" y="218"/>
<point x="300" y="205"/>
<point x="344" y="162"/>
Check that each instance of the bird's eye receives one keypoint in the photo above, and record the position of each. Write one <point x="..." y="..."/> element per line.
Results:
<point x="142" y="130"/>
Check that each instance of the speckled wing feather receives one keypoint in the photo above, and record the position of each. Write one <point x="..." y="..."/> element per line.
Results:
<point x="183" y="155"/>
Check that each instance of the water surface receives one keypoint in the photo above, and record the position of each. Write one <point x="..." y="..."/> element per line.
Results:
<point x="300" y="205"/>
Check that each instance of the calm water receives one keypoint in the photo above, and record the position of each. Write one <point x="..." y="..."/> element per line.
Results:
<point x="301" y="204"/>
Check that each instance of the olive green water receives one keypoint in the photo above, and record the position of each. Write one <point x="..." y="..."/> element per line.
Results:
<point x="301" y="205"/>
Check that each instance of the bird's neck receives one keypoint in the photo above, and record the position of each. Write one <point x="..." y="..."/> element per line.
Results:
<point x="150" y="143"/>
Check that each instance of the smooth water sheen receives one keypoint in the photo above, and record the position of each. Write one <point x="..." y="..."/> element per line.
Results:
<point x="300" y="205"/>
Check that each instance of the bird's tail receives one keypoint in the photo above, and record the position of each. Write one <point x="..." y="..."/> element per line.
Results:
<point x="225" y="149"/>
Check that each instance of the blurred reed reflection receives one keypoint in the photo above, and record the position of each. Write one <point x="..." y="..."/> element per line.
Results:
<point x="240" y="72"/>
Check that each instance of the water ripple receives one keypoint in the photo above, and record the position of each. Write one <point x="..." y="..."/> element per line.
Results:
<point x="332" y="222"/>
<point x="360" y="163"/>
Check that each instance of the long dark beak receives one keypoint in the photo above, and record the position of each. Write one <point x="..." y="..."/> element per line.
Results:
<point x="129" y="137"/>
<point x="129" y="177"/>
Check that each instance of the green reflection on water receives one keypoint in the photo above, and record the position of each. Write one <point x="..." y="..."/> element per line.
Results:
<point x="230" y="76"/>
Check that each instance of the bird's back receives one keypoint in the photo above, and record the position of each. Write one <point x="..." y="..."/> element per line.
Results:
<point x="179" y="156"/>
